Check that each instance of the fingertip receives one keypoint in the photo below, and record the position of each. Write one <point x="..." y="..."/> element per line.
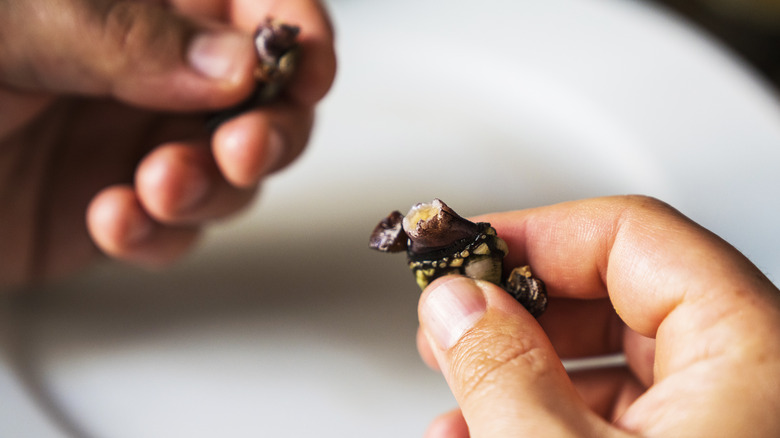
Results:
<point x="426" y="353"/>
<point x="121" y="228"/>
<point x="312" y="81"/>
<point x="179" y="184"/>
<point x="449" y="307"/>
<point x="219" y="71"/>
<point x="173" y="180"/>
<point x="221" y="55"/>
<point x="117" y="222"/>
<point x="319" y="57"/>
<point x="246" y="148"/>
<point x="448" y="425"/>
<point x="258" y="143"/>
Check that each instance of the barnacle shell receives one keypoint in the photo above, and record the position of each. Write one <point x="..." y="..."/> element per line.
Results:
<point x="389" y="236"/>
<point x="527" y="289"/>
<point x="434" y="226"/>
<point x="277" y="53"/>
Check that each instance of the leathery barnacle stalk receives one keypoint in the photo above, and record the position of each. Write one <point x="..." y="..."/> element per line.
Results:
<point x="440" y="242"/>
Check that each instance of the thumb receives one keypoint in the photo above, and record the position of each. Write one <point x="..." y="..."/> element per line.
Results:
<point x="137" y="52"/>
<point x="499" y="364"/>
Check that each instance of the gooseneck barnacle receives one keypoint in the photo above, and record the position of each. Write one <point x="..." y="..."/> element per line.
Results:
<point x="440" y="242"/>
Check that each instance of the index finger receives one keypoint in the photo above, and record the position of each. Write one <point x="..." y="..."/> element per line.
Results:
<point x="644" y="255"/>
<point x="666" y="277"/>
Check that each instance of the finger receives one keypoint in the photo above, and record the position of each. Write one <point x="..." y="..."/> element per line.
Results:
<point x="317" y="66"/>
<point x="583" y="328"/>
<point x="121" y="228"/>
<point x="449" y="425"/>
<point x="608" y="391"/>
<point x="646" y="253"/>
<point x="501" y="368"/>
<point x="179" y="183"/>
<point x="671" y="280"/>
<point x="640" y="356"/>
<point x="138" y="52"/>
<point x="426" y="353"/>
<point x="257" y="143"/>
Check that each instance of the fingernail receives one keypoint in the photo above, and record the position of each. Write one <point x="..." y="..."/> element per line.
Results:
<point x="273" y="152"/>
<point x="219" y="55"/>
<point x="452" y="309"/>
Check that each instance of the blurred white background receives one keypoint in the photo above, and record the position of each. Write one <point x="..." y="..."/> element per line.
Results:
<point x="284" y="324"/>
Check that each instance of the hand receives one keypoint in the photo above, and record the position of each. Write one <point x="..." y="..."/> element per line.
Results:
<point x="698" y="324"/>
<point x="102" y="111"/>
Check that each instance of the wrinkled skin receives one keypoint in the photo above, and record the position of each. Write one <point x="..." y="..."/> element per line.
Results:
<point x="697" y="322"/>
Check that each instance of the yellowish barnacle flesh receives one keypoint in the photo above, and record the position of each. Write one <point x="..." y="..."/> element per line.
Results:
<point x="421" y="212"/>
<point x="421" y="278"/>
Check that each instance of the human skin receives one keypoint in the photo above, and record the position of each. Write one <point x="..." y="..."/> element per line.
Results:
<point x="102" y="137"/>
<point x="697" y="322"/>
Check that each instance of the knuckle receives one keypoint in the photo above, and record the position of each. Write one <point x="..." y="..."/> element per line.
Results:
<point x="638" y="214"/>
<point x="640" y="206"/>
<point x="482" y="360"/>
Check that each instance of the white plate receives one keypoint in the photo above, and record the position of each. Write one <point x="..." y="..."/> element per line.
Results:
<point x="284" y="324"/>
